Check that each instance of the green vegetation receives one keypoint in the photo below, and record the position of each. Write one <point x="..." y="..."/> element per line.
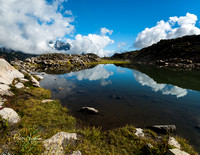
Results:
<point x="40" y="121"/>
<point x="185" y="146"/>
<point x="109" y="61"/>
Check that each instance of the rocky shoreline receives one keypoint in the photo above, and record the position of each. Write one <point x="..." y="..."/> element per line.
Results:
<point x="56" y="61"/>
<point x="25" y="106"/>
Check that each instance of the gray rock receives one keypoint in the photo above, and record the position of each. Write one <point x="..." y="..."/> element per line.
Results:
<point x="8" y="72"/>
<point x="19" y="85"/>
<point x="35" y="82"/>
<point x="47" y="100"/>
<point x="176" y="152"/>
<point x="172" y="141"/>
<point x="163" y="128"/>
<point x="10" y="115"/>
<point x="89" y="110"/>
<point x="76" y="153"/>
<point x="39" y="77"/>
<point x="139" y="132"/>
<point x="55" y="144"/>
<point x="4" y="90"/>
<point x="24" y="80"/>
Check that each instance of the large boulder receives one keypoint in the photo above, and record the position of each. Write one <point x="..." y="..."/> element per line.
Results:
<point x="8" y="72"/>
<point x="55" y="144"/>
<point x="10" y="115"/>
<point x="4" y="90"/>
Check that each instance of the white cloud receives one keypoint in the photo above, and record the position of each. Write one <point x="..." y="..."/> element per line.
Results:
<point x="167" y="30"/>
<point x="121" y="44"/>
<point x="68" y="12"/>
<point x="145" y="80"/>
<point x="97" y="73"/>
<point x="91" y="43"/>
<point x="104" y="31"/>
<point x="28" y="25"/>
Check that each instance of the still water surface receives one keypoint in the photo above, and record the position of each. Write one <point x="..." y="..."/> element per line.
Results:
<point x="124" y="95"/>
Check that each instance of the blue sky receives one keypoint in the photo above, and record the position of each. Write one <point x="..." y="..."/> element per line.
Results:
<point x="103" y="27"/>
<point x="126" y="17"/>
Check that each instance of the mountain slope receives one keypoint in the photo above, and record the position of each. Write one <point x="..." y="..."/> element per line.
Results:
<point x="187" y="47"/>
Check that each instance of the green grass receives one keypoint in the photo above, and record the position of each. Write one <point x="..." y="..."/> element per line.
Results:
<point x="40" y="121"/>
<point x="109" y="61"/>
<point x="185" y="146"/>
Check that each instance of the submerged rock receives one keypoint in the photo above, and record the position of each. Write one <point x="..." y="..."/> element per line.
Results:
<point x="89" y="110"/>
<point x="55" y="144"/>
<point x="163" y="128"/>
<point x="10" y="115"/>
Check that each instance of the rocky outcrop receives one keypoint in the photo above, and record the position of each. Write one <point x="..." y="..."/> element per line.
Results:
<point x="55" y="61"/>
<point x="10" y="115"/>
<point x="55" y="144"/>
<point x="181" y="52"/>
<point x="8" y="72"/>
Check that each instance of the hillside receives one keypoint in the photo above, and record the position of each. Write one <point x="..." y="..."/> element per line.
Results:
<point x="12" y="55"/>
<point x="172" y="50"/>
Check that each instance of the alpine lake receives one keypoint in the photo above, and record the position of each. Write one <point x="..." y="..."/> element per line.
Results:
<point x="138" y="95"/>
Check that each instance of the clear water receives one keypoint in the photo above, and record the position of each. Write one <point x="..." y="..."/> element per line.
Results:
<point x="128" y="96"/>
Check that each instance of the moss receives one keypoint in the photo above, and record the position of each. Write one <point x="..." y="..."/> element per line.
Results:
<point x="43" y="120"/>
<point x="108" y="61"/>
<point x="186" y="146"/>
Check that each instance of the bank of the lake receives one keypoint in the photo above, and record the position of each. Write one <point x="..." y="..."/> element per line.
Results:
<point x="41" y="118"/>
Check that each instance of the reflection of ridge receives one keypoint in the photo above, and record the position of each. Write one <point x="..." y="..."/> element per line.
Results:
<point x="145" y="80"/>
<point x="97" y="73"/>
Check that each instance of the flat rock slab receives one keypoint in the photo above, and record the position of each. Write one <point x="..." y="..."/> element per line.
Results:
<point x="172" y="141"/>
<point x="10" y="115"/>
<point x="176" y="152"/>
<point x="89" y="110"/>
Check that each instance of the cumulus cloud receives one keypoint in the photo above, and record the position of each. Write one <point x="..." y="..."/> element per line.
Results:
<point x="145" y="80"/>
<point x="168" y="30"/>
<point x="91" y="43"/>
<point x="104" y="31"/>
<point x="97" y="73"/>
<point x="28" y="25"/>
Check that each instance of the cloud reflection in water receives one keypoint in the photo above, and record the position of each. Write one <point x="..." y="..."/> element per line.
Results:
<point x="145" y="80"/>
